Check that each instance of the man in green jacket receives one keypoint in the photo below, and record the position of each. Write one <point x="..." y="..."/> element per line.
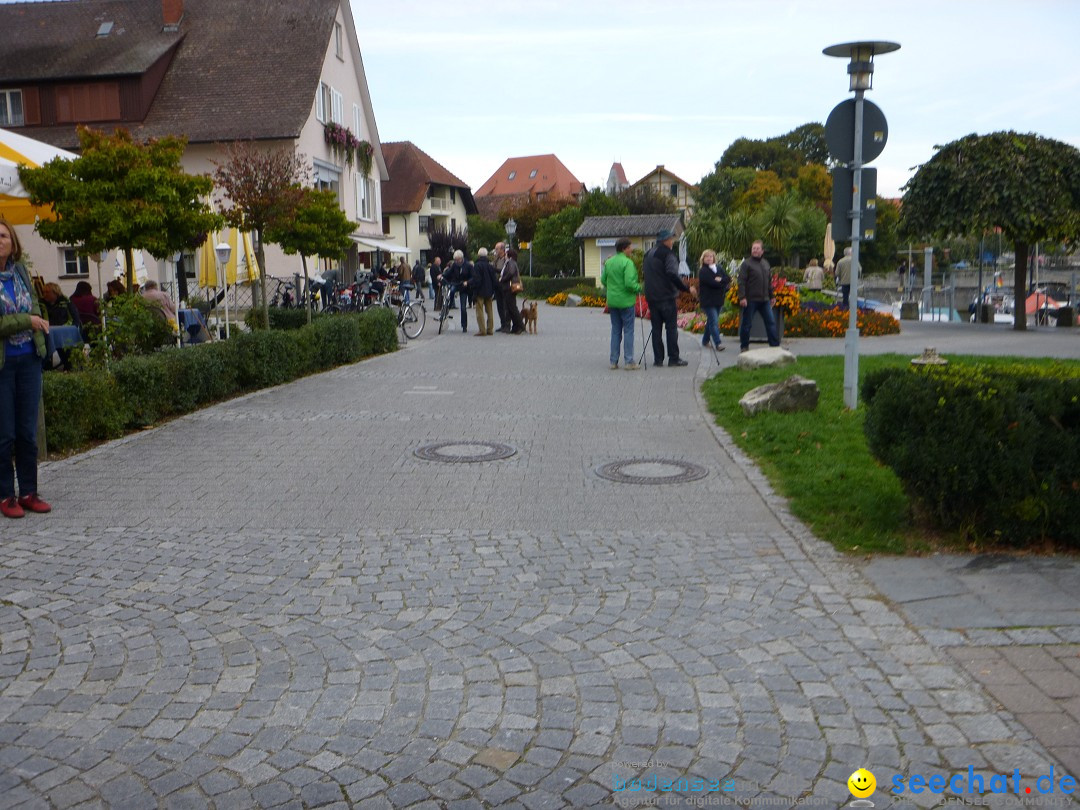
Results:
<point x="620" y="278"/>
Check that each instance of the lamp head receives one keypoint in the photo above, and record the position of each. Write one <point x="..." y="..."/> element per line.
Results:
<point x="511" y="228"/>
<point x="223" y="252"/>
<point x="861" y="60"/>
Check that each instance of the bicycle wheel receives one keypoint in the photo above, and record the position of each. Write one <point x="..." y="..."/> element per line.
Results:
<point x="332" y="309"/>
<point x="444" y="314"/>
<point x="413" y="318"/>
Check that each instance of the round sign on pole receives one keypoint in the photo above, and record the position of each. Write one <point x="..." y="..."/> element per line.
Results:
<point x="840" y="131"/>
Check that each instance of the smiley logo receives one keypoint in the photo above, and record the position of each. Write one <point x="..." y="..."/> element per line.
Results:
<point x="862" y="783"/>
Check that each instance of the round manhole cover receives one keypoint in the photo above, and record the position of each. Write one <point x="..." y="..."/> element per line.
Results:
<point x="651" y="471"/>
<point x="464" y="452"/>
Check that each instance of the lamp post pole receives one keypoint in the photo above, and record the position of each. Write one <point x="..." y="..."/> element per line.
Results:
<point x="861" y="72"/>
<point x="511" y="232"/>
<point x="223" y="251"/>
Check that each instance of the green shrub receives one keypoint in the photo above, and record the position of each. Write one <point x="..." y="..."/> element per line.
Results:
<point x="134" y="326"/>
<point x="81" y="407"/>
<point x="990" y="451"/>
<point x="540" y="288"/>
<point x="266" y="358"/>
<point x="136" y="391"/>
<point x="281" y="318"/>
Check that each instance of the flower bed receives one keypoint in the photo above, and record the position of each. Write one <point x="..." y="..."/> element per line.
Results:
<point x="820" y="323"/>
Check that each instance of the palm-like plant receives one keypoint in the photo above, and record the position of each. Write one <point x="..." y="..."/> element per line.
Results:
<point x="778" y="221"/>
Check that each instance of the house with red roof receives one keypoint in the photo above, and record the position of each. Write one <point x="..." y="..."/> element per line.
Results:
<point x="421" y="193"/>
<point x="526" y="179"/>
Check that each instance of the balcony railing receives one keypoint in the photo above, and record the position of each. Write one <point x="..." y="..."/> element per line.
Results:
<point x="438" y="204"/>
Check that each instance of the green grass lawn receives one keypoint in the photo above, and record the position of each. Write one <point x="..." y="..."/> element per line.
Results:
<point x="820" y="462"/>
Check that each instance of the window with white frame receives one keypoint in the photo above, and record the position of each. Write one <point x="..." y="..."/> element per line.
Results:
<point x="425" y="223"/>
<point x="322" y="107"/>
<point x="327" y="177"/>
<point x="365" y="197"/>
<point x="11" y="108"/>
<point x="74" y="265"/>
<point x="337" y="107"/>
<point x="339" y="41"/>
<point x="356" y="120"/>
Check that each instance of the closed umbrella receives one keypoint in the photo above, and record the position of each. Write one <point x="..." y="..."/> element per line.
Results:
<point x="16" y="150"/>
<point x="829" y="247"/>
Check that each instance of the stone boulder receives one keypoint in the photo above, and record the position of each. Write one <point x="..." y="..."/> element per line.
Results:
<point x="760" y="358"/>
<point x="573" y="301"/>
<point x="793" y="394"/>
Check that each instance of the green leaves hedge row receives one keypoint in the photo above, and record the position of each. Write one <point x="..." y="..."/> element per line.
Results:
<point x="540" y="288"/>
<point x="990" y="451"/>
<point x="97" y="404"/>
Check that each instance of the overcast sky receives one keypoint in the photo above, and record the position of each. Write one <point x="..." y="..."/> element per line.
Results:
<point x="474" y="82"/>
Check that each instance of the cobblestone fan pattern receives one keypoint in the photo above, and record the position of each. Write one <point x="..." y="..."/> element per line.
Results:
<point x="274" y="603"/>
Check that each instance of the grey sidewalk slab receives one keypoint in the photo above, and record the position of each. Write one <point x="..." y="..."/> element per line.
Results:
<point x="276" y="601"/>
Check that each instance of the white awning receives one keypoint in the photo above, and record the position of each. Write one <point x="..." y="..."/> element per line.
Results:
<point x="378" y="244"/>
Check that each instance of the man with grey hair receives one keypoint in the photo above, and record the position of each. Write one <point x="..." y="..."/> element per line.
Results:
<point x="155" y="296"/>
<point x="458" y="276"/>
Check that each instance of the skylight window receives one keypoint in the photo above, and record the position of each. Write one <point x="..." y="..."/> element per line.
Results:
<point x="532" y="174"/>
<point x="105" y="29"/>
<point x="512" y="175"/>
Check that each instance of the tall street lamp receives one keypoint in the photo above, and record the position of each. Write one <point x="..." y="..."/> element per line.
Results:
<point x="853" y="146"/>
<point x="511" y="231"/>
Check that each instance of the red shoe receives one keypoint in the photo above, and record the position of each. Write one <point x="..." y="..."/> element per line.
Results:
<point x="9" y="507"/>
<point x="33" y="503"/>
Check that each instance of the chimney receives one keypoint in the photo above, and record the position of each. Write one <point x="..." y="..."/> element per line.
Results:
<point x="172" y="11"/>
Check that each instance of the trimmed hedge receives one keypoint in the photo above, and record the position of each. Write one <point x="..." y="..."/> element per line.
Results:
<point x="542" y="288"/>
<point x="295" y="318"/>
<point x="992" y="452"/>
<point x="97" y="404"/>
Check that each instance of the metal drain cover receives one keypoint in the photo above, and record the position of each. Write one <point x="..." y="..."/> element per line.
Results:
<point x="651" y="471"/>
<point x="464" y="452"/>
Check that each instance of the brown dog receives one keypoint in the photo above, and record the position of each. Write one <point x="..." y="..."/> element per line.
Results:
<point x="528" y="314"/>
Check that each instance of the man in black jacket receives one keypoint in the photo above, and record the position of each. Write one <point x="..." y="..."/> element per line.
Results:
<point x="662" y="283"/>
<point x="458" y="276"/>
<point x="755" y="295"/>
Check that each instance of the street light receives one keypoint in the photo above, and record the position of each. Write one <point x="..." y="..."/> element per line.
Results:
<point x="223" y="251"/>
<point x="860" y="57"/>
<point x="511" y="231"/>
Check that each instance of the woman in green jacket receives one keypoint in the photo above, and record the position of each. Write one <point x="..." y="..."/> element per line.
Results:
<point x="22" y="330"/>
<point x="620" y="278"/>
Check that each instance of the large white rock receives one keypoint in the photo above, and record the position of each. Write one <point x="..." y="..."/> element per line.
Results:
<point x="772" y="356"/>
<point x="793" y="394"/>
<point x="572" y="301"/>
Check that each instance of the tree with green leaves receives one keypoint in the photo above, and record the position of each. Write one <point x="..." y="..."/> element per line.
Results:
<point x="318" y="227"/>
<point x="721" y="187"/>
<point x="645" y="199"/>
<point x="555" y="246"/>
<point x="119" y="194"/>
<point x="1027" y="185"/>
<point x="484" y="232"/>
<point x="263" y="188"/>
<point x="529" y="213"/>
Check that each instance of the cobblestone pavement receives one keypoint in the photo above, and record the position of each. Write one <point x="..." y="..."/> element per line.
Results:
<point x="275" y="602"/>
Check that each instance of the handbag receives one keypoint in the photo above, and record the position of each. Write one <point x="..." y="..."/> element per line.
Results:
<point x="516" y="287"/>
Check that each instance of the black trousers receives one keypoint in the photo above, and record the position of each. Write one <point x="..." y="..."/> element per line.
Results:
<point x="665" y="318"/>
<point x="500" y="303"/>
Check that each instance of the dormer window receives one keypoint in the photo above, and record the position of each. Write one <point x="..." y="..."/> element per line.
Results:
<point x="512" y="175"/>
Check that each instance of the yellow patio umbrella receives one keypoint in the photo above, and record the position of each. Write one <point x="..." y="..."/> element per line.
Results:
<point x="251" y="264"/>
<point x="208" y="276"/>
<point x="16" y="150"/>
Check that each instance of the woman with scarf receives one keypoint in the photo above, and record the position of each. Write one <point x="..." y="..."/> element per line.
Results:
<point x="23" y="331"/>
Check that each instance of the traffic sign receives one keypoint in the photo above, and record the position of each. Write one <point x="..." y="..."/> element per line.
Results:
<point x="840" y="131"/>
<point x="843" y="187"/>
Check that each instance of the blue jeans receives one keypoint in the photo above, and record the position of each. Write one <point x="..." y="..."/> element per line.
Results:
<point x="20" y="393"/>
<point x="765" y="308"/>
<point x="712" y="326"/>
<point x="622" y="331"/>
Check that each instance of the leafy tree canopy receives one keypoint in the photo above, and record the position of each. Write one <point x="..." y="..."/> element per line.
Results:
<point x="318" y="227"/>
<point x="721" y="187"/>
<point x="555" y="246"/>
<point x="528" y="214"/>
<point x="645" y="199"/>
<point x="484" y="233"/>
<point x="121" y="194"/>
<point x="1024" y="184"/>
<point x="783" y="154"/>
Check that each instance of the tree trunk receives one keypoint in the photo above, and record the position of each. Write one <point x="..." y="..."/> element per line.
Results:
<point x="1020" y="286"/>
<point x="307" y="287"/>
<point x="129" y="276"/>
<point x="260" y="256"/>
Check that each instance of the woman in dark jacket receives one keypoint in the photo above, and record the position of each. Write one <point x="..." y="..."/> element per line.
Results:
<point x="86" y="305"/>
<point x="511" y="277"/>
<point x="713" y="283"/>
<point x="22" y="330"/>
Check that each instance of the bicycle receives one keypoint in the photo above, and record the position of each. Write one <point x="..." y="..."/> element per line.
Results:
<point x="447" y="293"/>
<point x="411" y="316"/>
